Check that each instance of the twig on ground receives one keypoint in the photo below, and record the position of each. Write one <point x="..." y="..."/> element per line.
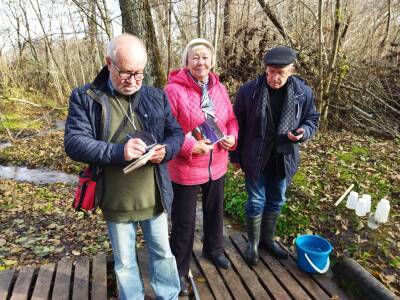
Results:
<point x="344" y="195"/>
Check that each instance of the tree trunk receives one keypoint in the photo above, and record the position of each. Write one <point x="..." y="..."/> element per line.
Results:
<point x="180" y="26"/>
<point x="227" y="24"/>
<point x="321" y="60"/>
<point x="137" y="20"/>
<point x="104" y="14"/>
<point x="332" y="60"/>
<point x="216" y="27"/>
<point x="274" y="19"/>
<point x="199" y="18"/>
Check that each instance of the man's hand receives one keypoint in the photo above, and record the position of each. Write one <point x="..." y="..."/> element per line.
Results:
<point x="158" y="155"/>
<point x="295" y="138"/>
<point x="202" y="147"/>
<point x="228" y="142"/>
<point x="134" y="148"/>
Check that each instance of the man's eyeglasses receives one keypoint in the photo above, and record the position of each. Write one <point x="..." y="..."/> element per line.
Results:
<point x="124" y="75"/>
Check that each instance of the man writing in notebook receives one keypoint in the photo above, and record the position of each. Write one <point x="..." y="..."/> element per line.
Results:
<point x="111" y="122"/>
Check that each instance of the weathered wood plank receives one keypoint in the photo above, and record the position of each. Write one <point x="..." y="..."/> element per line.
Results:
<point x="80" y="289"/>
<point x="22" y="285"/>
<point x="143" y="259"/>
<point x="250" y="279"/>
<point x="331" y="287"/>
<point x="99" y="277"/>
<point x="326" y="282"/>
<point x="283" y="276"/>
<point x="44" y="282"/>
<point x="305" y="280"/>
<point x="6" y="278"/>
<point x="234" y="284"/>
<point x="63" y="279"/>
<point x="262" y="271"/>
<point x="215" y="282"/>
<point x="200" y="281"/>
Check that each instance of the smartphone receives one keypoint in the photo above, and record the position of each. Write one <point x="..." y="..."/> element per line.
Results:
<point x="295" y="133"/>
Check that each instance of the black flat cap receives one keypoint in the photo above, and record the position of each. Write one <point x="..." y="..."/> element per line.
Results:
<point x="280" y="56"/>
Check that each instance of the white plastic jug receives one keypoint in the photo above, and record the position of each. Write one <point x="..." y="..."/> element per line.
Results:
<point x="382" y="211"/>
<point x="368" y="199"/>
<point x="352" y="200"/>
<point x="361" y="207"/>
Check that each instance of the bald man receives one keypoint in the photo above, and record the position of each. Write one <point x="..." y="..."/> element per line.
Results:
<point x="111" y="122"/>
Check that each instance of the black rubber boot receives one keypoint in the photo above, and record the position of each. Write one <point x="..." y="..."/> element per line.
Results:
<point x="253" y="234"/>
<point x="268" y="226"/>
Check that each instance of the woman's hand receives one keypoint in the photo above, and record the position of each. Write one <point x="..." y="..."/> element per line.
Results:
<point x="202" y="147"/>
<point x="228" y="142"/>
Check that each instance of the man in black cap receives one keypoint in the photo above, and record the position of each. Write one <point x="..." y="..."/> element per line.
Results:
<point x="276" y="112"/>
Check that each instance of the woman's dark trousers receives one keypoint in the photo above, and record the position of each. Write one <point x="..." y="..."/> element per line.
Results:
<point x="184" y="221"/>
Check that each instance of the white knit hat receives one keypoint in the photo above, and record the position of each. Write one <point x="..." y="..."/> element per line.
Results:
<point x="197" y="42"/>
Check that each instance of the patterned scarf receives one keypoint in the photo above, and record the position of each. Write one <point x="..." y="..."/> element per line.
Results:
<point x="287" y="116"/>
<point x="207" y="106"/>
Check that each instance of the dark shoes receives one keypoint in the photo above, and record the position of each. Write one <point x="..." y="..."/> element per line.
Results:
<point x="184" y="286"/>
<point x="219" y="260"/>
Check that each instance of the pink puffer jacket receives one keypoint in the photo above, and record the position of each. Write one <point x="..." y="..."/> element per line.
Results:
<point x="185" y="99"/>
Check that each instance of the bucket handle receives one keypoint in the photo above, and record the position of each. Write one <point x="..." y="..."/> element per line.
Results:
<point x="315" y="267"/>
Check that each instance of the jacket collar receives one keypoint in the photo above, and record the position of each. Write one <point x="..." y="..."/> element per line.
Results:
<point x="102" y="82"/>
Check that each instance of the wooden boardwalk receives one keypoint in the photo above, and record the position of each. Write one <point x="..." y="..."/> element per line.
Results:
<point x="84" y="278"/>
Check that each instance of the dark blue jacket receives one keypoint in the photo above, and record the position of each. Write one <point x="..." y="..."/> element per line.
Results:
<point x="252" y="128"/>
<point x="88" y="124"/>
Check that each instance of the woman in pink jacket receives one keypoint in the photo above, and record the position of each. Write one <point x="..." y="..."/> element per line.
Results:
<point x="196" y="95"/>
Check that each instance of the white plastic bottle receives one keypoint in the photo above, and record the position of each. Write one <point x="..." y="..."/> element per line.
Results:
<point x="361" y="207"/>
<point x="382" y="211"/>
<point x="368" y="199"/>
<point x="352" y="200"/>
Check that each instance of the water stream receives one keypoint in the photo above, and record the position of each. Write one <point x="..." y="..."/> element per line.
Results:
<point x="36" y="176"/>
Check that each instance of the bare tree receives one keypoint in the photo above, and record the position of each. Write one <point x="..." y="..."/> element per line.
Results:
<point x="227" y="27"/>
<point x="199" y="18"/>
<point x="137" y="19"/>
<point x="216" y="26"/>
<point x="332" y="60"/>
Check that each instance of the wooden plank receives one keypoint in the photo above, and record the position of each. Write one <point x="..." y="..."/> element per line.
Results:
<point x="325" y="281"/>
<point x="210" y="272"/>
<point x="6" y="279"/>
<point x="200" y="281"/>
<point x="99" y="277"/>
<point x="262" y="271"/>
<point x="81" y="279"/>
<point x="305" y="280"/>
<point x="143" y="260"/>
<point x="234" y="283"/>
<point x="248" y="276"/>
<point x="334" y="291"/>
<point x="23" y="284"/>
<point x="283" y="276"/>
<point x="44" y="282"/>
<point x="63" y="279"/>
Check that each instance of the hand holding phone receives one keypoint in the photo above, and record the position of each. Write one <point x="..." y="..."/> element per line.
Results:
<point x="295" y="132"/>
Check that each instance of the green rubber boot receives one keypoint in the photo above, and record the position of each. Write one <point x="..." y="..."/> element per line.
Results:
<point x="253" y="234"/>
<point x="268" y="226"/>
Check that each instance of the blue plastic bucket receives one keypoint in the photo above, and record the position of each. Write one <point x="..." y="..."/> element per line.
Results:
<point x="313" y="253"/>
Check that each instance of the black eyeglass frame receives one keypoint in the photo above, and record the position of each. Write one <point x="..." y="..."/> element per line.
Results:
<point x="127" y="75"/>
